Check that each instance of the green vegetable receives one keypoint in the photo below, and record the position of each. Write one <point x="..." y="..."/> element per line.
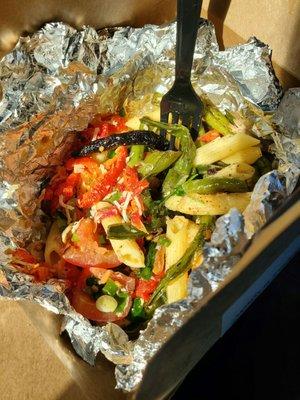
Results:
<point x="137" y="310"/>
<point x="164" y="241"/>
<point x="176" y="270"/>
<point x="181" y="170"/>
<point x="216" y="120"/>
<point x="124" y="231"/>
<point x="122" y="298"/>
<point x="157" y="161"/>
<point x="146" y="272"/>
<point x="214" y="185"/>
<point x="110" y="288"/>
<point x="136" y="154"/>
<point x="111" y="153"/>
<point x="75" y="238"/>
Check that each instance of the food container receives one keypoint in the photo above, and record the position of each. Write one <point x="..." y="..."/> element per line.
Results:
<point x="31" y="348"/>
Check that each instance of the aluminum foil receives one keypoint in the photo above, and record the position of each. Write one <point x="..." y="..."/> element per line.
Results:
<point x="52" y="83"/>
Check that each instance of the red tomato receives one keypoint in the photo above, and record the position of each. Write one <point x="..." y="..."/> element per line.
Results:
<point x="86" y="306"/>
<point x="86" y="252"/>
<point x="145" y="288"/>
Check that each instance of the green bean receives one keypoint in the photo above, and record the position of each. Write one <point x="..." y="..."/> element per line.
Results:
<point x="215" y="185"/>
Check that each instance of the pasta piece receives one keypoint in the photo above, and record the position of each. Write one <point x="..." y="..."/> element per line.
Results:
<point x="54" y="245"/>
<point x="127" y="250"/>
<point x="240" y="171"/>
<point x="208" y="204"/>
<point x="181" y="233"/>
<point x="248" y="156"/>
<point x="223" y="147"/>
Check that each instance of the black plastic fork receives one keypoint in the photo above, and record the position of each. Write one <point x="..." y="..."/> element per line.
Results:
<point x="181" y="101"/>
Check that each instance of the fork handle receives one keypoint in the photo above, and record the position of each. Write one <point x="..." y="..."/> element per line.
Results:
<point x="188" y="13"/>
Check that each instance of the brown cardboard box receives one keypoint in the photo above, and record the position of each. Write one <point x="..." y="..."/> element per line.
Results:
<point x="36" y="363"/>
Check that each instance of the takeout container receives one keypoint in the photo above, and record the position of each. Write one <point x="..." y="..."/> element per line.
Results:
<point x="56" y="372"/>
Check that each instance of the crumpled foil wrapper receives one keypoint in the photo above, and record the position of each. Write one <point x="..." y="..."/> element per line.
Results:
<point x="51" y="85"/>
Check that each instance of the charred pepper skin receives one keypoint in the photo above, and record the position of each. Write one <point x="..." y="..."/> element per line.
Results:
<point x="146" y="138"/>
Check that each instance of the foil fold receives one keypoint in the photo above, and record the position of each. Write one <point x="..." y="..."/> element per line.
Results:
<point x="53" y="82"/>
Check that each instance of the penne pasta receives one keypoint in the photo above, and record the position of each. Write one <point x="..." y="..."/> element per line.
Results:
<point x="248" y="156"/>
<point x="127" y="250"/>
<point x="54" y="245"/>
<point x="240" y="171"/>
<point x="181" y="233"/>
<point x="223" y="147"/>
<point x="208" y="204"/>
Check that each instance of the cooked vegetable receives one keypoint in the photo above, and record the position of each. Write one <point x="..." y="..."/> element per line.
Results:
<point x="124" y="231"/>
<point x="223" y="147"/>
<point x="157" y="161"/>
<point x="110" y="288"/>
<point x="214" y="185"/>
<point x="137" y="310"/>
<point x="208" y="204"/>
<point x="136" y="155"/>
<point x="179" y="173"/>
<point x="209" y="136"/>
<point x="146" y="273"/>
<point x="145" y="138"/>
<point x="216" y="120"/>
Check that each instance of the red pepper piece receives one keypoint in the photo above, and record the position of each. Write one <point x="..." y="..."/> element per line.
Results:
<point x="108" y="181"/>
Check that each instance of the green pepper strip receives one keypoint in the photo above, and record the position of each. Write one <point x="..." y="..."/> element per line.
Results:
<point x="215" y="185"/>
<point x="137" y="309"/>
<point x="176" y="270"/>
<point x="110" y="288"/>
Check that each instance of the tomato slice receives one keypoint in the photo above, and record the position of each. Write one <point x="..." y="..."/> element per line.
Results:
<point x="86" y="306"/>
<point x="86" y="252"/>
